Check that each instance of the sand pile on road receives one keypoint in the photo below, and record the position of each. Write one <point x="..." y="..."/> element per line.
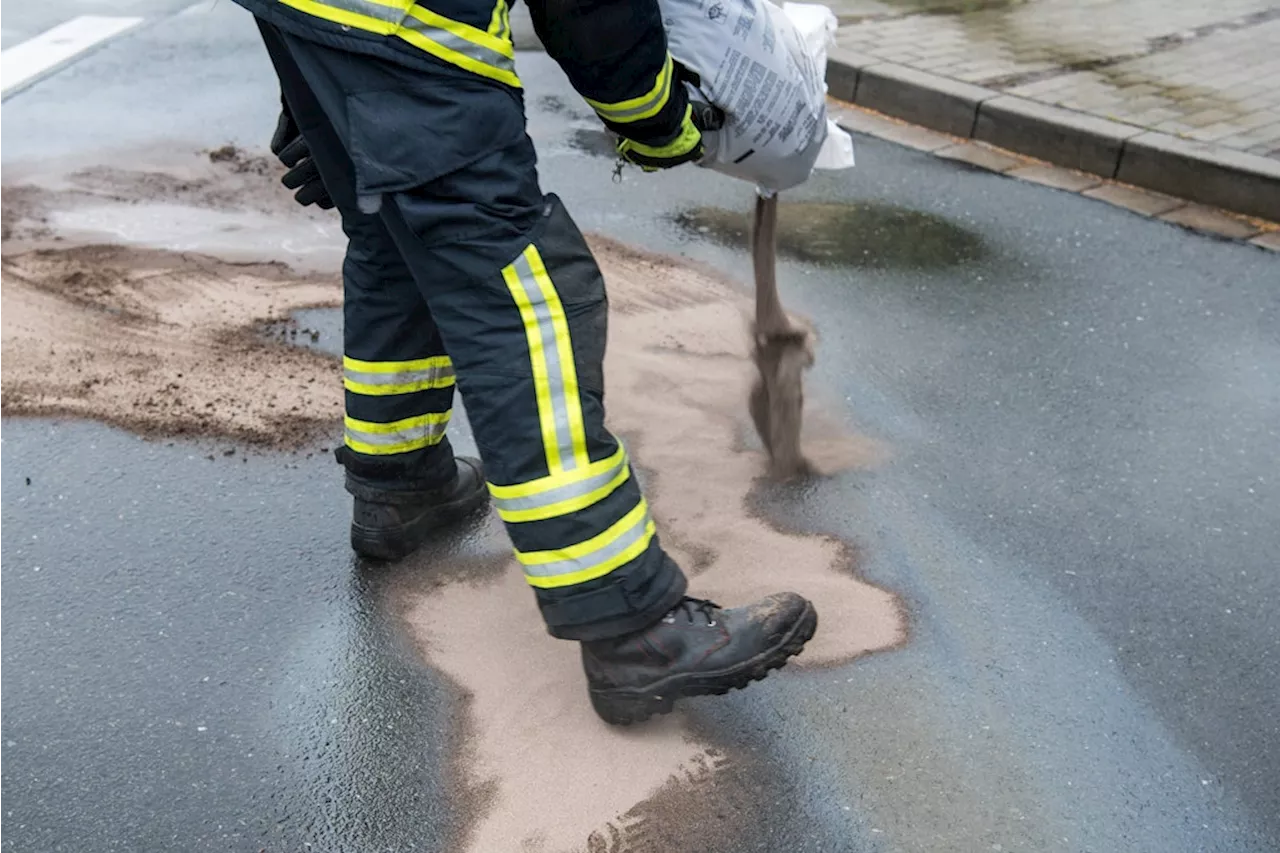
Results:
<point x="677" y="376"/>
<point x="164" y="344"/>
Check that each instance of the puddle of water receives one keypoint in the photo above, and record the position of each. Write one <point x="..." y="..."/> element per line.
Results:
<point x="858" y="234"/>
<point x="180" y="228"/>
<point x="556" y="105"/>
<point x="593" y="141"/>
<point x="310" y="328"/>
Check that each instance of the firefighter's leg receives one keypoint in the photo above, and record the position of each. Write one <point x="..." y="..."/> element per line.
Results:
<point x="397" y="376"/>
<point x="521" y="306"/>
<point x="528" y="339"/>
<point x="520" y="303"/>
<point x="399" y="385"/>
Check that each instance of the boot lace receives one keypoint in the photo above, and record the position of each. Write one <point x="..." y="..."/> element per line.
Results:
<point x="691" y="607"/>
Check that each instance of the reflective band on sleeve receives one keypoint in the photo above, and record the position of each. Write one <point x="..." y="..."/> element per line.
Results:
<point x="555" y="496"/>
<point x="555" y="378"/>
<point x="402" y="436"/>
<point x="599" y="555"/>
<point x="500" y="23"/>
<point x="645" y="106"/>
<point x="686" y="141"/>
<point x="457" y="43"/>
<point x="385" y="378"/>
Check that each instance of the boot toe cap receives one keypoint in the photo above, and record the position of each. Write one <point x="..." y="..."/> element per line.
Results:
<point x="779" y="613"/>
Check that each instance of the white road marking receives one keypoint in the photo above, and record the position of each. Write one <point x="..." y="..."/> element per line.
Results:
<point x="25" y="62"/>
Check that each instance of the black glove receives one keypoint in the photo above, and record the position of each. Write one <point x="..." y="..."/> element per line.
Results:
<point x="288" y="145"/>
<point x="687" y="146"/>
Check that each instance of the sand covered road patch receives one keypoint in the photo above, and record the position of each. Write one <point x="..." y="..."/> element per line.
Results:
<point x="164" y="344"/>
<point x="555" y="778"/>
<point x="120" y="303"/>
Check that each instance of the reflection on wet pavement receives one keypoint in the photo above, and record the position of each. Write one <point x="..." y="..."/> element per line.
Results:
<point x="217" y="677"/>
<point x="593" y="141"/>
<point x="847" y="234"/>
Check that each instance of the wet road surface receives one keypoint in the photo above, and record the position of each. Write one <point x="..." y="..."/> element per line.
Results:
<point x="1079" y="514"/>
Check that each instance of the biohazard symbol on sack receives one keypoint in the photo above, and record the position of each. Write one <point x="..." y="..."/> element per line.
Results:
<point x="715" y="12"/>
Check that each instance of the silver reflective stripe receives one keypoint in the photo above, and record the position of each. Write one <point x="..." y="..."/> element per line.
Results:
<point x="431" y="432"/>
<point x="631" y="113"/>
<point x="631" y="536"/>
<point x="551" y="354"/>
<point x="434" y="377"/>
<point x="561" y="493"/>
<point x="401" y="18"/>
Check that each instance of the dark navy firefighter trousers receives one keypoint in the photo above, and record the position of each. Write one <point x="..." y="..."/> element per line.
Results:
<point x="459" y="270"/>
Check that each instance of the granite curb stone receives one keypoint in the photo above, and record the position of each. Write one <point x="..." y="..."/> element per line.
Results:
<point x="1196" y="171"/>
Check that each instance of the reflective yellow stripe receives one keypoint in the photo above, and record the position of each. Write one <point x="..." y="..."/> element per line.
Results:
<point x="497" y="24"/>
<point x="599" y="555"/>
<point x="390" y="390"/>
<point x="555" y="378"/>
<point x="645" y="106"/>
<point x="385" y="439"/>
<point x="466" y="32"/>
<point x="538" y="362"/>
<point x="395" y="366"/>
<point x="564" y="494"/>
<point x="388" y="17"/>
<point x="457" y="43"/>
<point x="386" y="378"/>
<point x="689" y="137"/>
<point x="560" y="328"/>
<point x="542" y="485"/>
<point x="568" y="505"/>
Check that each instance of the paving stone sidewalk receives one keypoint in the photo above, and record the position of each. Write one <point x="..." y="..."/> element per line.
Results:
<point x="1203" y="71"/>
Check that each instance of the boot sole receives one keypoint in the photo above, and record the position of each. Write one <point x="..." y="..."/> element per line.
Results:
<point x="396" y="543"/>
<point x="624" y="707"/>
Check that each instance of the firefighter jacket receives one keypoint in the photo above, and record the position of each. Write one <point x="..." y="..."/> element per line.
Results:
<point x="614" y="52"/>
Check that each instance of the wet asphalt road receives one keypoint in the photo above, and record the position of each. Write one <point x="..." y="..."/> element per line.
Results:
<point x="1079" y="513"/>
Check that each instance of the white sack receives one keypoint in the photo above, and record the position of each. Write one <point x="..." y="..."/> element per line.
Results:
<point x="765" y="68"/>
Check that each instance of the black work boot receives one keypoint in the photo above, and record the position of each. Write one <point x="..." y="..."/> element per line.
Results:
<point x="391" y="518"/>
<point x="695" y="650"/>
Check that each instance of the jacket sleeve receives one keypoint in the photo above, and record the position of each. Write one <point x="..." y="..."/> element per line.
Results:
<point x="614" y="53"/>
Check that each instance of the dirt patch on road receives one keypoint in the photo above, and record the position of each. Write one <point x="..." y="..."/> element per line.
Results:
<point x="164" y="344"/>
<point x="230" y="179"/>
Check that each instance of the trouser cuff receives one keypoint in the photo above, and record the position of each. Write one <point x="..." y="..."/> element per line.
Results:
<point x="405" y="478"/>
<point x="612" y="607"/>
